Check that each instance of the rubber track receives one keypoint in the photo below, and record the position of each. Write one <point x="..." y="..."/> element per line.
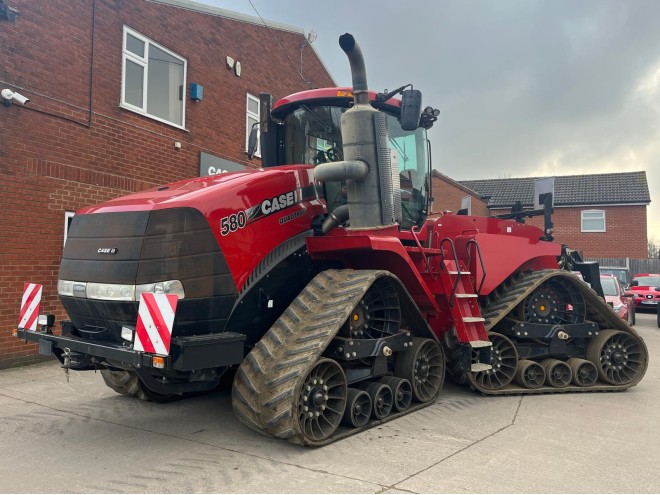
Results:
<point x="124" y="383"/>
<point x="516" y="289"/>
<point x="268" y="381"/>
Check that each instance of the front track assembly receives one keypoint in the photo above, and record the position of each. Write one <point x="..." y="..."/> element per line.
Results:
<point x="612" y="357"/>
<point x="336" y="362"/>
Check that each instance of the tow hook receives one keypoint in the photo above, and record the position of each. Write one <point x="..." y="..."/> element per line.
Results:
<point x="66" y="357"/>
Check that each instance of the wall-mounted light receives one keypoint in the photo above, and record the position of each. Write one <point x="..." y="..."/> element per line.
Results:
<point x="237" y="68"/>
<point x="230" y="62"/>
<point x="196" y="92"/>
<point x="9" y="96"/>
<point x="7" y="13"/>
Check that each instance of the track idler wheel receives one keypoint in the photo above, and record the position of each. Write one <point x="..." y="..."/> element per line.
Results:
<point x="530" y="374"/>
<point x="401" y="390"/>
<point x="381" y="397"/>
<point x="618" y="356"/>
<point x="358" y="408"/>
<point x="584" y="372"/>
<point x="558" y="373"/>
<point x="322" y="400"/>
<point x="504" y="359"/>
<point x="423" y="365"/>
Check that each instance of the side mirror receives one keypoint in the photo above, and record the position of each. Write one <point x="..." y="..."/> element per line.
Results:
<point x="411" y="109"/>
<point x="628" y="294"/>
<point x="252" y="141"/>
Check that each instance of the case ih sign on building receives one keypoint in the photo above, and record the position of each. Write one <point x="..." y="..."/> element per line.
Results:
<point x="122" y="96"/>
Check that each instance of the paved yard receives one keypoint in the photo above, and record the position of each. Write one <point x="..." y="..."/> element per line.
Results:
<point x="82" y="437"/>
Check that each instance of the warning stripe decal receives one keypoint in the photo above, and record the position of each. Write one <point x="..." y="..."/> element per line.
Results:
<point x="153" y="331"/>
<point x="30" y="306"/>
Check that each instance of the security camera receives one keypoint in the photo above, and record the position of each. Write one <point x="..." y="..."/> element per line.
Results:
<point x="8" y="95"/>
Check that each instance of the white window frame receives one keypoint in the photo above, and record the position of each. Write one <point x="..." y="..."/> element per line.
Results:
<point x="68" y="215"/>
<point x="602" y="216"/>
<point x="144" y="62"/>
<point x="248" y="127"/>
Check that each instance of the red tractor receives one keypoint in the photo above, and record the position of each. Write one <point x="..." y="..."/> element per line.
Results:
<point x="321" y="281"/>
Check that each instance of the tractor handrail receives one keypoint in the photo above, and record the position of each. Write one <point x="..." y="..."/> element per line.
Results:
<point x="458" y="268"/>
<point x="481" y="261"/>
<point x="421" y="249"/>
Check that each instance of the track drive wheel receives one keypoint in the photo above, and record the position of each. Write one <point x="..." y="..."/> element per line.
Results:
<point x="322" y="400"/>
<point x="585" y="373"/>
<point x="530" y="374"/>
<point x="618" y="356"/>
<point x="558" y="373"/>
<point x="401" y="391"/>
<point x="358" y="408"/>
<point x="128" y="383"/>
<point x="504" y="359"/>
<point x="423" y="365"/>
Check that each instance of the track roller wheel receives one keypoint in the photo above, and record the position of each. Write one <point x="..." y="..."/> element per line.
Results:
<point x="381" y="397"/>
<point x="584" y="372"/>
<point x="530" y="374"/>
<point x="558" y="373"/>
<point x="423" y="365"/>
<point x="618" y="356"/>
<point x="358" y="408"/>
<point x="504" y="359"/>
<point x="401" y="390"/>
<point x="322" y="400"/>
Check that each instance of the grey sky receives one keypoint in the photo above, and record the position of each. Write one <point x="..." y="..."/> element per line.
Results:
<point x="526" y="88"/>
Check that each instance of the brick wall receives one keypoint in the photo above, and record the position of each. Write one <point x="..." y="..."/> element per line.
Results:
<point x="447" y="195"/>
<point x="57" y="156"/>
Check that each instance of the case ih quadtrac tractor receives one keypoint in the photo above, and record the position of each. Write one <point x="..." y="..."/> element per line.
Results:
<point x="321" y="281"/>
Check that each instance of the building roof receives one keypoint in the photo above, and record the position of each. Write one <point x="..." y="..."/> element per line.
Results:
<point x="236" y="16"/>
<point x="458" y="185"/>
<point x="592" y="189"/>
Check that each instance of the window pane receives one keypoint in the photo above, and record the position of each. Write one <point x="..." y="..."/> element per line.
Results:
<point x="135" y="45"/>
<point x="253" y="106"/>
<point x="592" y="214"/>
<point x="165" y="86"/>
<point x="593" y="224"/>
<point x="134" y="77"/>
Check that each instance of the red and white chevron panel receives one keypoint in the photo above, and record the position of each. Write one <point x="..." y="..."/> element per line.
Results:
<point x="30" y="306"/>
<point x="155" y="321"/>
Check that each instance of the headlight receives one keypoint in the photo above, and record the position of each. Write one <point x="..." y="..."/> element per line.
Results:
<point x="117" y="292"/>
<point x="110" y="292"/>
<point x="167" y="287"/>
<point x="65" y="287"/>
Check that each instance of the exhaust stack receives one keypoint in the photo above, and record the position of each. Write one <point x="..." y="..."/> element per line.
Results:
<point x="367" y="169"/>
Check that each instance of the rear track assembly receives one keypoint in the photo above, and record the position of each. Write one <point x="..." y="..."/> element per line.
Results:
<point x="617" y="357"/>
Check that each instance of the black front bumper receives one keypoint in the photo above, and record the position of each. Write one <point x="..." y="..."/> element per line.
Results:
<point x="186" y="353"/>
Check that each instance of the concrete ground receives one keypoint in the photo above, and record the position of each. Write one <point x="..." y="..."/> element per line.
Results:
<point x="82" y="437"/>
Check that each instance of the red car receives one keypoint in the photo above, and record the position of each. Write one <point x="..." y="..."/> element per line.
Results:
<point x="646" y="287"/>
<point x="620" y="300"/>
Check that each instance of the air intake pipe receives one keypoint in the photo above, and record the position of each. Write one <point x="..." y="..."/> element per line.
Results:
<point x="367" y="170"/>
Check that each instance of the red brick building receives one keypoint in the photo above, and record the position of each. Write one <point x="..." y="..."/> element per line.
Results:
<point x="447" y="196"/>
<point x="601" y="215"/>
<point x="116" y="106"/>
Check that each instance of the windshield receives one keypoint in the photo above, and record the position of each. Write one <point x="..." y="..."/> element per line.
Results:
<point x="610" y="286"/>
<point x="651" y="281"/>
<point x="313" y="136"/>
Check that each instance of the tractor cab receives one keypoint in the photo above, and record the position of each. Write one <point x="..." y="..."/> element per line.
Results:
<point x="305" y="128"/>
